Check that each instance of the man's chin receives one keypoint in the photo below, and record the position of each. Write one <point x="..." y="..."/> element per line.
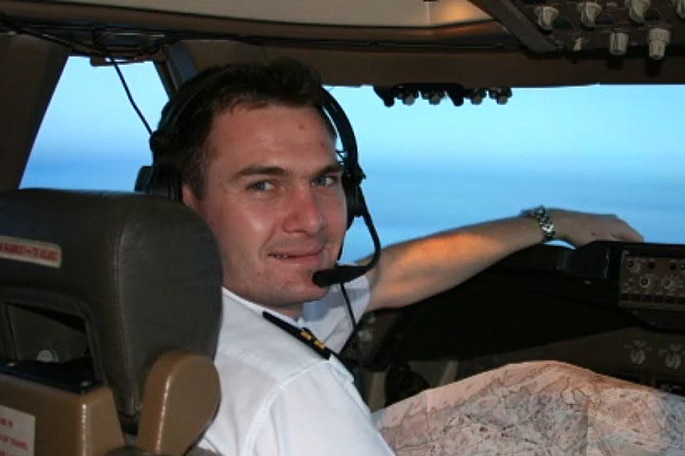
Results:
<point x="298" y="288"/>
<point x="313" y="292"/>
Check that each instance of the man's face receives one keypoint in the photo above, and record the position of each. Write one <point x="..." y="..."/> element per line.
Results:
<point x="275" y="202"/>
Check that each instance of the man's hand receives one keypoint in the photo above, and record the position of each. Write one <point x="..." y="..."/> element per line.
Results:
<point x="580" y="228"/>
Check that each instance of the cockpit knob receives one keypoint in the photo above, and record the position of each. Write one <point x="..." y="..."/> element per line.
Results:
<point x="618" y="43"/>
<point x="546" y="16"/>
<point x="501" y="95"/>
<point x="637" y="9"/>
<point x="680" y="8"/>
<point x="477" y="96"/>
<point x="408" y="98"/>
<point x="658" y="39"/>
<point x="589" y="12"/>
<point x="434" y="97"/>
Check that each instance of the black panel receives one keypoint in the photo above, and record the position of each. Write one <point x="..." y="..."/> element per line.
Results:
<point x="539" y="296"/>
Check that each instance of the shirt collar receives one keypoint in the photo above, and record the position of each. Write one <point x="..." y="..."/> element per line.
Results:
<point x="256" y="308"/>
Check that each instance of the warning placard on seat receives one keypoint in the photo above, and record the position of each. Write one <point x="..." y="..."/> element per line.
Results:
<point x="17" y="432"/>
<point x="30" y="251"/>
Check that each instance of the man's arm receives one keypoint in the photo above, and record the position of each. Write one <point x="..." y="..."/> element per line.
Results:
<point x="414" y="270"/>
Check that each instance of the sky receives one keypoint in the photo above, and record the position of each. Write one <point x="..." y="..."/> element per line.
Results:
<point x="607" y="149"/>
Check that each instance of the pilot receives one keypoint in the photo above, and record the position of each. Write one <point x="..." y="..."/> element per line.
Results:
<point x="257" y="160"/>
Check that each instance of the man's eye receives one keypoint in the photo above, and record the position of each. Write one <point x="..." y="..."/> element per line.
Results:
<point x="326" y="181"/>
<point x="261" y="186"/>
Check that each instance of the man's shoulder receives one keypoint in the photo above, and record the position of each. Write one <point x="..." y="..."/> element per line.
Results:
<point x="252" y="344"/>
<point x="261" y="366"/>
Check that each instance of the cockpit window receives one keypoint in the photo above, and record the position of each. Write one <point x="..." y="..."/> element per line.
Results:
<point x="91" y="137"/>
<point x="606" y="149"/>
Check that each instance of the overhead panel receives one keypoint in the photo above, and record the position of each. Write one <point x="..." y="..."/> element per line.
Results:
<point x="653" y="28"/>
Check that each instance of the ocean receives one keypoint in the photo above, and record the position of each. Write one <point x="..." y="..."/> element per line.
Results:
<point x="408" y="200"/>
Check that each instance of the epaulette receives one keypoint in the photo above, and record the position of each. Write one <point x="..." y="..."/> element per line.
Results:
<point x="302" y="334"/>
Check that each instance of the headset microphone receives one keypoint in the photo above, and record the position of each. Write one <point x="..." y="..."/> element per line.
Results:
<point x="345" y="273"/>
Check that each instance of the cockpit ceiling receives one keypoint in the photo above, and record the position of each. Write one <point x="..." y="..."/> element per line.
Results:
<point x="384" y="42"/>
<point x="352" y="13"/>
<point x="335" y="24"/>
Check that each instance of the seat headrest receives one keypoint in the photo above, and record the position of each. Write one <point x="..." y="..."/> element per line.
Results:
<point x="143" y="274"/>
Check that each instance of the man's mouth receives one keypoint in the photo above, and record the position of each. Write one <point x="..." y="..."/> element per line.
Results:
<point x="309" y="255"/>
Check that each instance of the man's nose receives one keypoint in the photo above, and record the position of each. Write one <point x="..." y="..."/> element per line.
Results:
<point x="305" y="213"/>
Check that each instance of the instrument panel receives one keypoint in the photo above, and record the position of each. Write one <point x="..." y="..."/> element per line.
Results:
<point x="542" y="295"/>
<point x="617" y="308"/>
<point x="652" y="278"/>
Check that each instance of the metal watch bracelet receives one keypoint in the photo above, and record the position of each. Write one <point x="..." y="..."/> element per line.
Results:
<point x="541" y="215"/>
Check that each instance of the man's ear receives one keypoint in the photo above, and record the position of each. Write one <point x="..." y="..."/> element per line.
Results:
<point x="189" y="198"/>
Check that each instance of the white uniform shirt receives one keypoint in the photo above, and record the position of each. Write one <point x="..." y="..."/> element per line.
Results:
<point x="282" y="398"/>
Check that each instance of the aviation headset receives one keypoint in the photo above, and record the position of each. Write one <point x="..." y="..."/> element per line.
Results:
<point x="162" y="179"/>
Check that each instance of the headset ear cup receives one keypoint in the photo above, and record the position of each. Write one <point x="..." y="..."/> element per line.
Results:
<point x="166" y="182"/>
<point x="157" y="142"/>
<point x="355" y="200"/>
<point x="142" y="179"/>
<point x="159" y="180"/>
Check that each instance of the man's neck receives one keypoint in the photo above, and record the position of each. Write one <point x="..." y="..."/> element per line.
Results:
<point x="293" y="312"/>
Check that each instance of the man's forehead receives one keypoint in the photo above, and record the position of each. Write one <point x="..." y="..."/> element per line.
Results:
<point x="280" y="138"/>
<point x="238" y="120"/>
<point x="253" y="107"/>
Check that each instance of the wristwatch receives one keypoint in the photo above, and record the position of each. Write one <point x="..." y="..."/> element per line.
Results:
<point x="542" y="216"/>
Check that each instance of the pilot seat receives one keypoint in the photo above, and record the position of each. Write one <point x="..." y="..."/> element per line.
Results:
<point x="110" y="307"/>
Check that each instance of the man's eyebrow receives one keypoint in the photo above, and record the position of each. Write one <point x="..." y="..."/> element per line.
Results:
<point x="336" y="167"/>
<point x="277" y="171"/>
<point x="257" y="170"/>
